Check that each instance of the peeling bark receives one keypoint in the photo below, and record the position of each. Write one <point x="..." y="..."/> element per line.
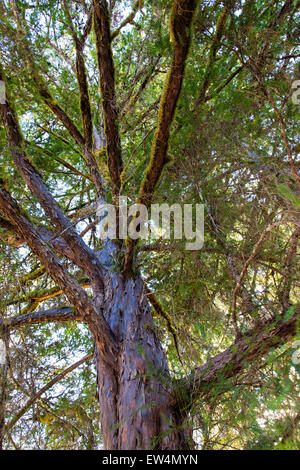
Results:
<point x="135" y="399"/>
<point x="253" y="345"/>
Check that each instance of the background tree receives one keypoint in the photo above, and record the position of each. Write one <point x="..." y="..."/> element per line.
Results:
<point x="158" y="101"/>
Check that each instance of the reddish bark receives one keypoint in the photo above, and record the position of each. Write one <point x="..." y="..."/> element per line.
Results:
<point x="136" y="398"/>
<point x="108" y="92"/>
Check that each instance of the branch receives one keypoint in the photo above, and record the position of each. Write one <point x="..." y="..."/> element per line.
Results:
<point x="212" y="55"/>
<point x="9" y="235"/>
<point x="290" y="264"/>
<point x="43" y="316"/>
<point x="32" y="276"/>
<point x="83" y="255"/>
<point x="108" y="93"/>
<point x="85" y="105"/>
<point x="57" y="110"/>
<point x="284" y="135"/>
<point x="76" y="295"/>
<point x="88" y="27"/>
<point x="253" y="345"/>
<point x="13" y="238"/>
<point x="87" y="120"/>
<point x="44" y="389"/>
<point x="44" y="294"/>
<point x="162" y="313"/>
<point x="245" y="267"/>
<point x="224" y="84"/>
<point x="231" y="263"/>
<point x="136" y="7"/>
<point x="62" y="54"/>
<point x="290" y="428"/>
<point x="130" y="101"/>
<point x="3" y="388"/>
<point x="41" y="85"/>
<point x="59" y="160"/>
<point x="180" y="32"/>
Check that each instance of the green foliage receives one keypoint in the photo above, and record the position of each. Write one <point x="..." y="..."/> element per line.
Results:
<point x="227" y="152"/>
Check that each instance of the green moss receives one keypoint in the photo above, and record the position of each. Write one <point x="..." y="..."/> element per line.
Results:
<point x="100" y="153"/>
<point x="180" y="31"/>
<point x="180" y="22"/>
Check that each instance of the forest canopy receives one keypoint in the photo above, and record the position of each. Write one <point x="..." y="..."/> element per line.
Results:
<point x="143" y="344"/>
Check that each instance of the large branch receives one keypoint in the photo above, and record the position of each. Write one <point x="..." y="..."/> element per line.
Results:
<point x="180" y="32"/>
<point x="87" y="118"/>
<point x="83" y="255"/>
<point x="85" y="105"/>
<point x="108" y="92"/>
<point x="76" y="295"/>
<point x="43" y="316"/>
<point x="252" y="346"/>
<point x="11" y="237"/>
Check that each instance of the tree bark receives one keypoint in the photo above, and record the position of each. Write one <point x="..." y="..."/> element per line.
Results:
<point x="136" y="398"/>
<point x="3" y="390"/>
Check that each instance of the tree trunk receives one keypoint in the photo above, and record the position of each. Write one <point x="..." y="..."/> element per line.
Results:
<point x="3" y="391"/>
<point x="135" y="398"/>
